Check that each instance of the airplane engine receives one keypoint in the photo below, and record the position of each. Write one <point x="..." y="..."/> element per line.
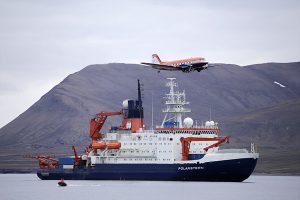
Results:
<point x="186" y="68"/>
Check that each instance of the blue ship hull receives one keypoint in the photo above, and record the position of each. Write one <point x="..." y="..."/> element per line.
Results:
<point x="230" y="170"/>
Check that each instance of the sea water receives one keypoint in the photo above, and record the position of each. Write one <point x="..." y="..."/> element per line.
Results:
<point x="28" y="186"/>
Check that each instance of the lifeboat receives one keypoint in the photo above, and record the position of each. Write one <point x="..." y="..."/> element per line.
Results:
<point x="99" y="145"/>
<point x="113" y="145"/>
<point x="62" y="182"/>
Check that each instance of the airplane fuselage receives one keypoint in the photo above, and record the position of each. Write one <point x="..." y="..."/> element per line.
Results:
<point x="184" y="65"/>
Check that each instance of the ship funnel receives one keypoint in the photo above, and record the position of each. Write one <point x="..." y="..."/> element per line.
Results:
<point x="133" y="112"/>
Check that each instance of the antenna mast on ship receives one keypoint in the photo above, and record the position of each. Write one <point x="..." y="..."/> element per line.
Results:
<point x="140" y="104"/>
<point x="175" y="102"/>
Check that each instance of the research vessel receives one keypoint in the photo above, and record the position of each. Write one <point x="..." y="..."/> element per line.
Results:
<point x="176" y="150"/>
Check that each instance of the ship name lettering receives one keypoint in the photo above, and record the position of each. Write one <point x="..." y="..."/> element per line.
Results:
<point x="189" y="168"/>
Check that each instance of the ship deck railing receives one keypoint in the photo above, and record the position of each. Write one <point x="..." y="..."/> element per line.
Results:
<point x="194" y="127"/>
<point x="232" y="151"/>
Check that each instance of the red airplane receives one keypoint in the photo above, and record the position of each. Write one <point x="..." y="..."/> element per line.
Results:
<point x="185" y="65"/>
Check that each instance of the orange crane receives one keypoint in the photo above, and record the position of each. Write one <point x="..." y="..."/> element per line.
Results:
<point x="185" y="143"/>
<point x="46" y="162"/>
<point x="97" y="123"/>
<point x="76" y="157"/>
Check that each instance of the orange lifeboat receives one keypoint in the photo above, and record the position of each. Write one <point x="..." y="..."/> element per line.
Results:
<point x="113" y="145"/>
<point x="99" y="145"/>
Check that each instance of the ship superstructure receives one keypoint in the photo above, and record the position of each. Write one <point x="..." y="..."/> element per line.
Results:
<point x="175" y="150"/>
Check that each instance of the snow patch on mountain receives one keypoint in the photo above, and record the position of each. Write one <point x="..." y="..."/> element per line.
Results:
<point x="283" y="86"/>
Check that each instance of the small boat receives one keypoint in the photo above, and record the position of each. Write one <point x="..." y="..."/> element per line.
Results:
<point x="62" y="182"/>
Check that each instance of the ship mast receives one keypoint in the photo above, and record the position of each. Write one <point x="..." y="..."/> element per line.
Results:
<point x="175" y="102"/>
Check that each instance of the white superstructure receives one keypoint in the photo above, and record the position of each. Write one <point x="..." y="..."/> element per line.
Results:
<point x="174" y="141"/>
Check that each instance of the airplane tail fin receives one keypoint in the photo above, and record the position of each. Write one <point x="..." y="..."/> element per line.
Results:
<point x="155" y="59"/>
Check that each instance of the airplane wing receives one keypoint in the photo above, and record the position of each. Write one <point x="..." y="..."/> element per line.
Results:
<point x="162" y="67"/>
<point x="213" y="65"/>
<point x="183" y="67"/>
<point x="200" y="66"/>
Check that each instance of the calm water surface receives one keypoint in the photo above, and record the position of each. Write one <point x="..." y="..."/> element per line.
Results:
<point x="28" y="186"/>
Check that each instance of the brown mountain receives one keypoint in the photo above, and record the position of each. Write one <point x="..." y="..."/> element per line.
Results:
<point x="248" y="101"/>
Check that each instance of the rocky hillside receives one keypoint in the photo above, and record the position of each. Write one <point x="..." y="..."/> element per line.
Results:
<point x="257" y="102"/>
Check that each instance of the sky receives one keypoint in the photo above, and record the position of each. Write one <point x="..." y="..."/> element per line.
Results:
<point x="41" y="42"/>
